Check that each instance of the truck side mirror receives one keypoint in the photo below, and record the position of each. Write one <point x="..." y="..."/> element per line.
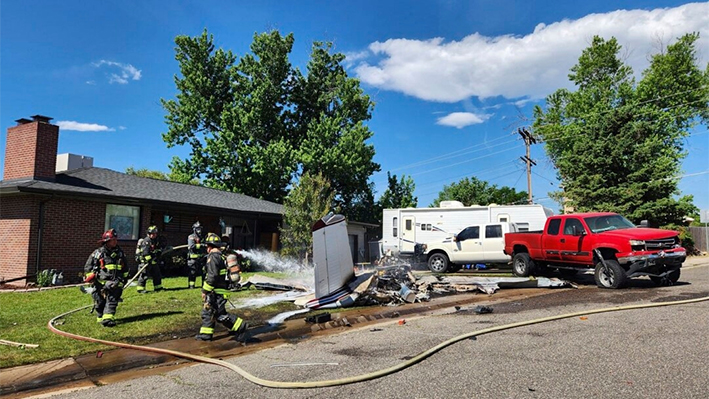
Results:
<point x="644" y="223"/>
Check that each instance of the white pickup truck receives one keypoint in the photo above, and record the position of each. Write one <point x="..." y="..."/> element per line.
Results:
<point x="483" y="243"/>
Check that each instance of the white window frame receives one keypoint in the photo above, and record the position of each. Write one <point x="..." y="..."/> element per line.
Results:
<point x="125" y="219"/>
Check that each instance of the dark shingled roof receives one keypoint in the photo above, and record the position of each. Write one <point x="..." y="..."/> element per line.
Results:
<point x="100" y="182"/>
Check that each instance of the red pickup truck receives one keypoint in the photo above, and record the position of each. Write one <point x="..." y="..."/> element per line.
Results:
<point x="608" y="242"/>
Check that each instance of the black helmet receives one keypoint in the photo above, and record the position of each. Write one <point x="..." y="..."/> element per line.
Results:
<point x="214" y="240"/>
<point x="153" y="230"/>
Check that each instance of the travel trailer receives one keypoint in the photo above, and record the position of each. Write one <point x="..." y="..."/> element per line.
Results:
<point x="403" y="228"/>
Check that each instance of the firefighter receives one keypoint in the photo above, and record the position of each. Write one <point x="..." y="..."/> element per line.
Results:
<point x="196" y="251"/>
<point x="214" y="295"/>
<point x="148" y="253"/>
<point x="107" y="271"/>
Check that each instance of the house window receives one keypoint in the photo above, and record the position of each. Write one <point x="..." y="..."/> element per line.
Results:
<point x="395" y="223"/>
<point x="124" y="219"/>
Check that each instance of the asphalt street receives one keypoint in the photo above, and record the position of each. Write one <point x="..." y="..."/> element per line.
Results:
<point x="656" y="352"/>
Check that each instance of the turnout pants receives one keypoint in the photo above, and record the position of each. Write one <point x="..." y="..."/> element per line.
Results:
<point x="214" y="310"/>
<point x="195" y="267"/>
<point x="106" y="300"/>
<point x="152" y="272"/>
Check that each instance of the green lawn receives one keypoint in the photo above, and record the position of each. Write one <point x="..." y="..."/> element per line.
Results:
<point x="141" y="318"/>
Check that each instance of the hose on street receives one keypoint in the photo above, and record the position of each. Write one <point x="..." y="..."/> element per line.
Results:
<point x="363" y="377"/>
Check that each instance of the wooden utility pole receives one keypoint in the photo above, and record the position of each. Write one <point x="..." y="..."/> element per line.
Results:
<point x="528" y="141"/>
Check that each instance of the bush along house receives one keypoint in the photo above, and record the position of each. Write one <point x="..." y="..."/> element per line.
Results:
<point x="54" y="208"/>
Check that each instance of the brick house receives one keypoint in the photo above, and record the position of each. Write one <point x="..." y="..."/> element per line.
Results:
<point x="53" y="211"/>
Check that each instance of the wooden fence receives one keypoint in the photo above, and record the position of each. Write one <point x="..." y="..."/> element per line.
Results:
<point x="699" y="234"/>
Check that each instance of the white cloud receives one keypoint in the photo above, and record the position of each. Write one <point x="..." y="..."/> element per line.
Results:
<point x="125" y="72"/>
<point x="529" y="66"/>
<point x="352" y="57"/>
<point x="83" y="127"/>
<point x="461" y="119"/>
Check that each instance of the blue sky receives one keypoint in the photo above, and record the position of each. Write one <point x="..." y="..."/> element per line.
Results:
<point x="452" y="80"/>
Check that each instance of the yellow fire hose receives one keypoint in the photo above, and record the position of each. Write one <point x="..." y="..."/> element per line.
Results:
<point x="362" y="377"/>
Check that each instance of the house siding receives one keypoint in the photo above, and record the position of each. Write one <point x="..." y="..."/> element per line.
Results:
<point x="17" y="217"/>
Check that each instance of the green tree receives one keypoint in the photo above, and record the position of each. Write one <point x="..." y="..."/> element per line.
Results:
<point x="472" y="191"/>
<point x="259" y="124"/>
<point x="310" y="200"/>
<point x="399" y="193"/>
<point x="618" y="145"/>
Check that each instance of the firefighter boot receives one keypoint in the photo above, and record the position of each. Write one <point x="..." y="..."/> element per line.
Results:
<point x="203" y="337"/>
<point x="108" y="323"/>
<point x="240" y="330"/>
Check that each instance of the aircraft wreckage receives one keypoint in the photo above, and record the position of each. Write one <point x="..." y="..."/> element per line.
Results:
<point x="337" y="285"/>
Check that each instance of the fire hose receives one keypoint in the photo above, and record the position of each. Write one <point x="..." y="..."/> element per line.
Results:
<point x="363" y="377"/>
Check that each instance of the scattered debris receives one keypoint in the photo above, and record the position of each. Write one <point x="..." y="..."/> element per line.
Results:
<point x="482" y="309"/>
<point x="488" y="285"/>
<point x="402" y="322"/>
<point x="375" y="329"/>
<point x="18" y="344"/>
<point x="268" y="283"/>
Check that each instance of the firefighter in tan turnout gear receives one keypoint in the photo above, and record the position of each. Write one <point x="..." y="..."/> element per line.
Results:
<point x="148" y="253"/>
<point x="107" y="271"/>
<point x="214" y="295"/>
<point x="196" y="251"/>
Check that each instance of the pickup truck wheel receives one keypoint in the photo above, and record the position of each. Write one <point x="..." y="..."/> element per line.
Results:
<point x="614" y="277"/>
<point x="668" y="279"/>
<point x="438" y="263"/>
<point x="522" y="264"/>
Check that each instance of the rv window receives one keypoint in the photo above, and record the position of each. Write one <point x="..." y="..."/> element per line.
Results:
<point x="408" y="224"/>
<point x="425" y="227"/>
<point x="493" y="231"/>
<point x="395" y="223"/>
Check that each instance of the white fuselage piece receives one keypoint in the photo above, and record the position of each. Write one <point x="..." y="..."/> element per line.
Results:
<point x="331" y="254"/>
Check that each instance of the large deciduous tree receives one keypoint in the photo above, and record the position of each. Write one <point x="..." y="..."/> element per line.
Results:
<point x="256" y="125"/>
<point x="472" y="191"/>
<point x="618" y="145"/>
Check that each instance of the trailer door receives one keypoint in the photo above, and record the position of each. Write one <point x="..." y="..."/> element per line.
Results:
<point x="408" y="234"/>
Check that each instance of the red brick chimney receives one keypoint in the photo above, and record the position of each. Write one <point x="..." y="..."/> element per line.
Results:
<point x="31" y="149"/>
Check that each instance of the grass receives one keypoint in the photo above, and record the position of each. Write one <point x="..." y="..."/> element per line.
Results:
<point x="141" y="318"/>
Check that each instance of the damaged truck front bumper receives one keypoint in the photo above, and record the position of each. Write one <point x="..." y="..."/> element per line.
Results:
<point x="654" y="264"/>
